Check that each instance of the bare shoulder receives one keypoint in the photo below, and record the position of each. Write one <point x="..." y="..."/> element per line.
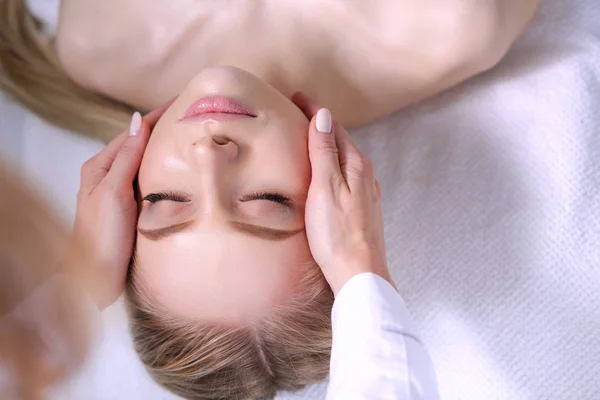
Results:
<point x="413" y="49"/>
<point x="91" y="34"/>
<point x="436" y="22"/>
<point x="115" y="47"/>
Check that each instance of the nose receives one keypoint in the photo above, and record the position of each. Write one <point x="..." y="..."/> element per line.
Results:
<point x="216" y="148"/>
<point x="214" y="157"/>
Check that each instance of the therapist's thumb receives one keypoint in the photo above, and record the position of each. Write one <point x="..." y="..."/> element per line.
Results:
<point x="322" y="148"/>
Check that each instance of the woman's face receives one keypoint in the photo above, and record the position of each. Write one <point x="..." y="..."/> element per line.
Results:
<point x="221" y="227"/>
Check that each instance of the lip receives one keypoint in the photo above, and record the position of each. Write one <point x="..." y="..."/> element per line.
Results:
<point x="217" y="108"/>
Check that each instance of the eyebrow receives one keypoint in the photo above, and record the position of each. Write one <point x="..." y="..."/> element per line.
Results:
<point x="261" y="232"/>
<point x="161" y="233"/>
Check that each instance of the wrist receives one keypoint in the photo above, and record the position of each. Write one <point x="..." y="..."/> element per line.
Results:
<point x="343" y="269"/>
<point x="82" y="269"/>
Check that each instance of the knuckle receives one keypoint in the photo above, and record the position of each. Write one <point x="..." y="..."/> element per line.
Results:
<point x="80" y="196"/>
<point x="87" y="167"/>
<point x="377" y="190"/>
<point x="336" y="181"/>
<point x="357" y="165"/>
<point x="368" y="164"/>
<point x="124" y="151"/>
<point x="113" y="190"/>
<point x="123" y="193"/>
<point x="327" y="146"/>
<point x="355" y="170"/>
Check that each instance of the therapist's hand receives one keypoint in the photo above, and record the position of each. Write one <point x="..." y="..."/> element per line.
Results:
<point x="344" y="222"/>
<point x="107" y="210"/>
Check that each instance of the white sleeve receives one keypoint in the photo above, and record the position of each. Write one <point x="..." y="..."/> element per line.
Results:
<point x="376" y="352"/>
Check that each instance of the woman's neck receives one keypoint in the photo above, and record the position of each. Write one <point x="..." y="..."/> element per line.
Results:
<point x="149" y="54"/>
<point x="281" y="42"/>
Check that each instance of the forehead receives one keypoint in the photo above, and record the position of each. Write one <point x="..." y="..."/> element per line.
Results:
<point x="216" y="275"/>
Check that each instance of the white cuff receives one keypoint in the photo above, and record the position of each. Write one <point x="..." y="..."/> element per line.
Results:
<point x="375" y="299"/>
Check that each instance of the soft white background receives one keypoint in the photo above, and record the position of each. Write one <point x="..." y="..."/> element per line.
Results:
<point x="492" y="205"/>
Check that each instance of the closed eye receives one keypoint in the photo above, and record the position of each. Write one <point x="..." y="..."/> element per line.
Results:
<point x="274" y="197"/>
<point x="166" y="196"/>
<point x="181" y="198"/>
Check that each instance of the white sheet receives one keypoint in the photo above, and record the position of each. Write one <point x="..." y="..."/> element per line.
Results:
<point x="492" y="205"/>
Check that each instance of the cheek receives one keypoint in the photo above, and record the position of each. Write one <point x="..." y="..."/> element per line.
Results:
<point x="304" y="172"/>
<point x="159" y="159"/>
<point x="299" y="163"/>
<point x="150" y="157"/>
<point x="159" y="146"/>
<point x="147" y="173"/>
<point x="288" y="150"/>
<point x="290" y="167"/>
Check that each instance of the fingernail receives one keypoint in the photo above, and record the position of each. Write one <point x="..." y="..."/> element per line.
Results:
<point x="136" y="124"/>
<point x="324" y="120"/>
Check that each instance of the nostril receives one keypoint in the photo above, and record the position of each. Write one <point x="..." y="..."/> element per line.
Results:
<point x="220" y="140"/>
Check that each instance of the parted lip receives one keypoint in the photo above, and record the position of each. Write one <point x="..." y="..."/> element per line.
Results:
<point x="218" y="107"/>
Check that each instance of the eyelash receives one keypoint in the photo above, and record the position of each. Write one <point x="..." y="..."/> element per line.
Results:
<point x="274" y="197"/>
<point x="165" y="196"/>
<point x="170" y="196"/>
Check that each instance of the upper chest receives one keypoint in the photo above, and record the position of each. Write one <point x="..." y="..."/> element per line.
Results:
<point x="142" y="34"/>
<point x="143" y="53"/>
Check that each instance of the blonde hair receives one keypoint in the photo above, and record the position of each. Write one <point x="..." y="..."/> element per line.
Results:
<point x="31" y="73"/>
<point x="285" y="351"/>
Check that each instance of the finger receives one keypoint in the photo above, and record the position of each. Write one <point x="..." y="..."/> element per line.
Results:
<point x="129" y="157"/>
<point x="368" y="168"/>
<point x="97" y="167"/>
<point x="378" y="189"/>
<point x="306" y="104"/>
<point x="354" y="166"/>
<point x="107" y="156"/>
<point x="351" y="161"/>
<point x="323" y="150"/>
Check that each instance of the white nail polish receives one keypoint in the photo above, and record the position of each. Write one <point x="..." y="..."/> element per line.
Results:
<point x="323" y="120"/>
<point x="136" y="124"/>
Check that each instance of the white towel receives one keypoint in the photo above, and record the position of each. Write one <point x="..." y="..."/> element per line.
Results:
<point x="46" y="11"/>
<point x="492" y="206"/>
